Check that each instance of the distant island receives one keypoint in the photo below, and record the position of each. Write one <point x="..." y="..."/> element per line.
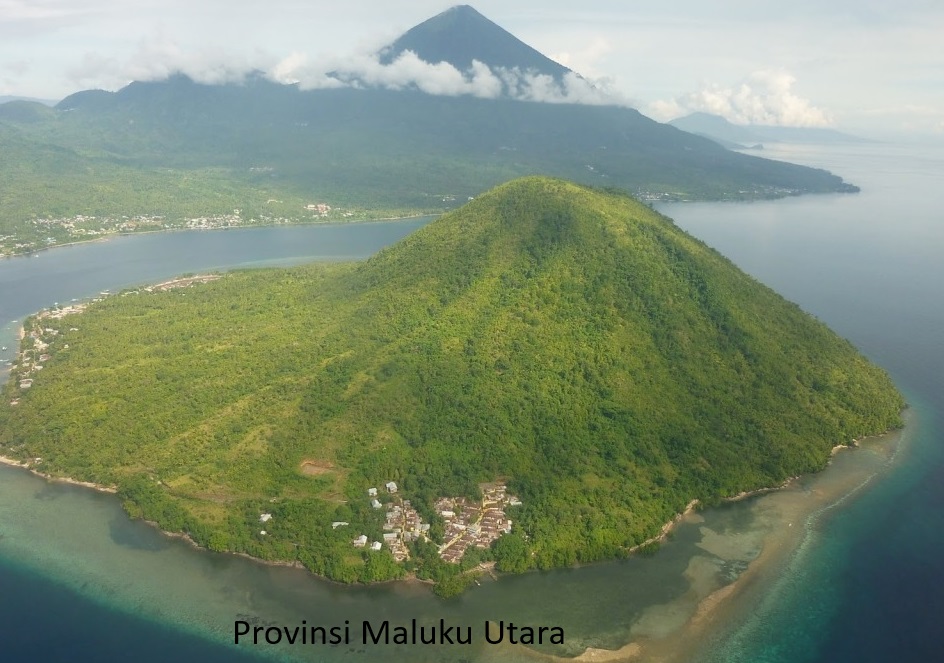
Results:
<point x="551" y="371"/>
<point x="176" y="153"/>
<point x="753" y="136"/>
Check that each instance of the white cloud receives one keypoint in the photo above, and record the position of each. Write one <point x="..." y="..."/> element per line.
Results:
<point x="765" y="97"/>
<point x="586" y="60"/>
<point x="157" y="58"/>
<point x="408" y="71"/>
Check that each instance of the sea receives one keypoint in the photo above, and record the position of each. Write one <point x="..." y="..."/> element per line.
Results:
<point x="843" y="566"/>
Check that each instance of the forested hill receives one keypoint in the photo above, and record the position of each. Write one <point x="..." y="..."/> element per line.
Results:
<point x="573" y="342"/>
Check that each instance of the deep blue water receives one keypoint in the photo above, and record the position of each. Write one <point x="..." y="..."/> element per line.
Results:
<point x="42" y="621"/>
<point x="872" y="267"/>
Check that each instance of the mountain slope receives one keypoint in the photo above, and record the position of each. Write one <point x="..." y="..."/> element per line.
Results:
<point x="609" y="366"/>
<point x="381" y="151"/>
<point x="409" y="148"/>
<point x="460" y="35"/>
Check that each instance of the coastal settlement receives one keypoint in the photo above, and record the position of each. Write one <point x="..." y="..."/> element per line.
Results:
<point x="467" y="523"/>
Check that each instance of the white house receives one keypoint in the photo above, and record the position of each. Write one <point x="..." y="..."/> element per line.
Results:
<point x="391" y="487"/>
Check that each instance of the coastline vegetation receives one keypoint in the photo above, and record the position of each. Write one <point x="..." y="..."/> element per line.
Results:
<point x="55" y="195"/>
<point x="568" y="340"/>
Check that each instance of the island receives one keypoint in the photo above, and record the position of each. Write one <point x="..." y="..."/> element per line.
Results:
<point x="552" y="363"/>
<point x="178" y="153"/>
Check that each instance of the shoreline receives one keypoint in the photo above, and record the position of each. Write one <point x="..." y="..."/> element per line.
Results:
<point x="666" y="528"/>
<point x="300" y="224"/>
<point x="183" y="536"/>
<point x="724" y="607"/>
<point x="636" y="647"/>
<point x="484" y="568"/>
<point x="721" y="609"/>
<point x="709" y="608"/>
<point x="487" y="568"/>
<point x="25" y="465"/>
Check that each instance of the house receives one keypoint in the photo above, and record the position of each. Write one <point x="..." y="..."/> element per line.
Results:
<point x="374" y="503"/>
<point x="390" y="537"/>
<point x="376" y="545"/>
<point x="371" y="492"/>
<point x="266" y="517"/>
<point x="338" y="523"/>
<point x="391" y="487"/>
<point x="360" y="541"/>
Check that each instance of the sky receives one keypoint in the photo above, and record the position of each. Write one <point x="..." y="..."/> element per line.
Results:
<point x="872" y="67"/>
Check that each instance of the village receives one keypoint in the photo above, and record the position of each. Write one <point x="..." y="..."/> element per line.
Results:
<point x="474" y="525"/>
<point x="468" y="524"/>
<point x="35" y="352"/>
<point x="30" y="360"/>
<point x="45" y="232"/>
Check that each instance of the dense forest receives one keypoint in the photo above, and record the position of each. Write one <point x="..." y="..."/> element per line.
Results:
<point x="567" y="340"/>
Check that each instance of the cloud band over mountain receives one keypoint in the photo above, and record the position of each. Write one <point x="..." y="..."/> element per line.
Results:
<point x="408" y="71"/>
<point x="157" y="60"/>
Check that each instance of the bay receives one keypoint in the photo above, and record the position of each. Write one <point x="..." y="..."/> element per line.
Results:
<point x="856" y="581"/>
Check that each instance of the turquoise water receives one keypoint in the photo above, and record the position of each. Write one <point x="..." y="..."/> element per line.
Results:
<point x="79" y="581"/>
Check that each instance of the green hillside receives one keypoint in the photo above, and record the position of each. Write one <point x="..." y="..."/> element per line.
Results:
<point x="570" y="341"/>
